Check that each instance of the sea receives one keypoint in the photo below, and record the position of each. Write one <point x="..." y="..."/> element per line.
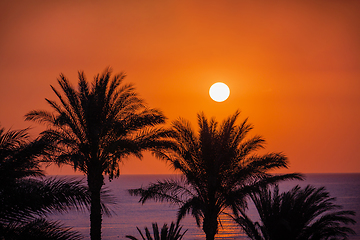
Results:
<point x="128" y="213"/>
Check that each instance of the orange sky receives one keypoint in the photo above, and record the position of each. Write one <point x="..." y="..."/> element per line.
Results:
<point x="293" y="67"/>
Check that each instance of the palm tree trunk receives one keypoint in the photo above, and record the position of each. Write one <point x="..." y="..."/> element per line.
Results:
<point x="210" y="236"/>
<point x="95" y="182"/>
<point x="210" y="226"/>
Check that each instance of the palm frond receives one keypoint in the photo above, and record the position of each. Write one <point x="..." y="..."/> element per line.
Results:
<point x="308" y="213"/>
<point x="170" y="190"/>
<point x="29" y="198"/>
<point x="19" y="155"/>
<point x="39" y="229"/>
<point x="166" y="233"/>
<point x="193" y="206"/>
<point x="12" y="139"/>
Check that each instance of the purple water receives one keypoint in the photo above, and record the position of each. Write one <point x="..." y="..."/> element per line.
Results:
<point x="129" y="214"/>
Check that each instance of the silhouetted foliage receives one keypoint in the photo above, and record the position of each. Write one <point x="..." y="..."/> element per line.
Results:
<point x="25" y="200"/>
<point x="166" y="233"/>
<point x="38" y="229"/>
<point x="220" y="169"/>
<point x="299" y="214"/>
<point x="95" y="126"/>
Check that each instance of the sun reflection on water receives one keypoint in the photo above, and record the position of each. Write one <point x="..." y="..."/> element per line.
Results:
<point x="228" y="230"/>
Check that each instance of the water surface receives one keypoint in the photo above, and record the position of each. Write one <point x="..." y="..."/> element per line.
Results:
<point x="129" y="213"/>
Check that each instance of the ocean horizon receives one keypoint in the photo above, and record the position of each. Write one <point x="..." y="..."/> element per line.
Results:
<point x="128" y="213"/>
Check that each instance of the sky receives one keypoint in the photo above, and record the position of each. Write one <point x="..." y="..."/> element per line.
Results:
<point x="293" y="67"/>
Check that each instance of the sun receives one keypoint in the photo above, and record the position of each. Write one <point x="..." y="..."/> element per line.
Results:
<point x="219" y="92"/>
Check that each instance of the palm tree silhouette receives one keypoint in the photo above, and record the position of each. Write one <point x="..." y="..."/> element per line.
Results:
<point x="95" y="127"/>
<point x="299" y="214"/>
<point x="25" y="200"/>
<point x="219" y="167"/>
<point x="166" y="233"/>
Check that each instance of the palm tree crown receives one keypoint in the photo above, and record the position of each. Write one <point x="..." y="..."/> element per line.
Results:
<point x="97" y="125"/>
<point x="299" y="214"/>
<point x="220" y="169"/>
<point x="25" y="200"/>
<point x="100" y="121"/>
<point x="166" y="233"/>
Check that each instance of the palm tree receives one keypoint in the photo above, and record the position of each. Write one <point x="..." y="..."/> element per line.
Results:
<point x="219" y="167"/>
<point x="95" y="126"/>
<point x="26" y="200"/>
<point x="299" y="214"/>
<point x="166" y="233"/>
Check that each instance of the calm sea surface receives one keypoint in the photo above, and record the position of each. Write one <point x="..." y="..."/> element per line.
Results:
<point x="129" y="213"/>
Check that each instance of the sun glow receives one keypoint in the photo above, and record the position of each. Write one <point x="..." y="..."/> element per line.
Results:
<point x="219" y="92"/>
